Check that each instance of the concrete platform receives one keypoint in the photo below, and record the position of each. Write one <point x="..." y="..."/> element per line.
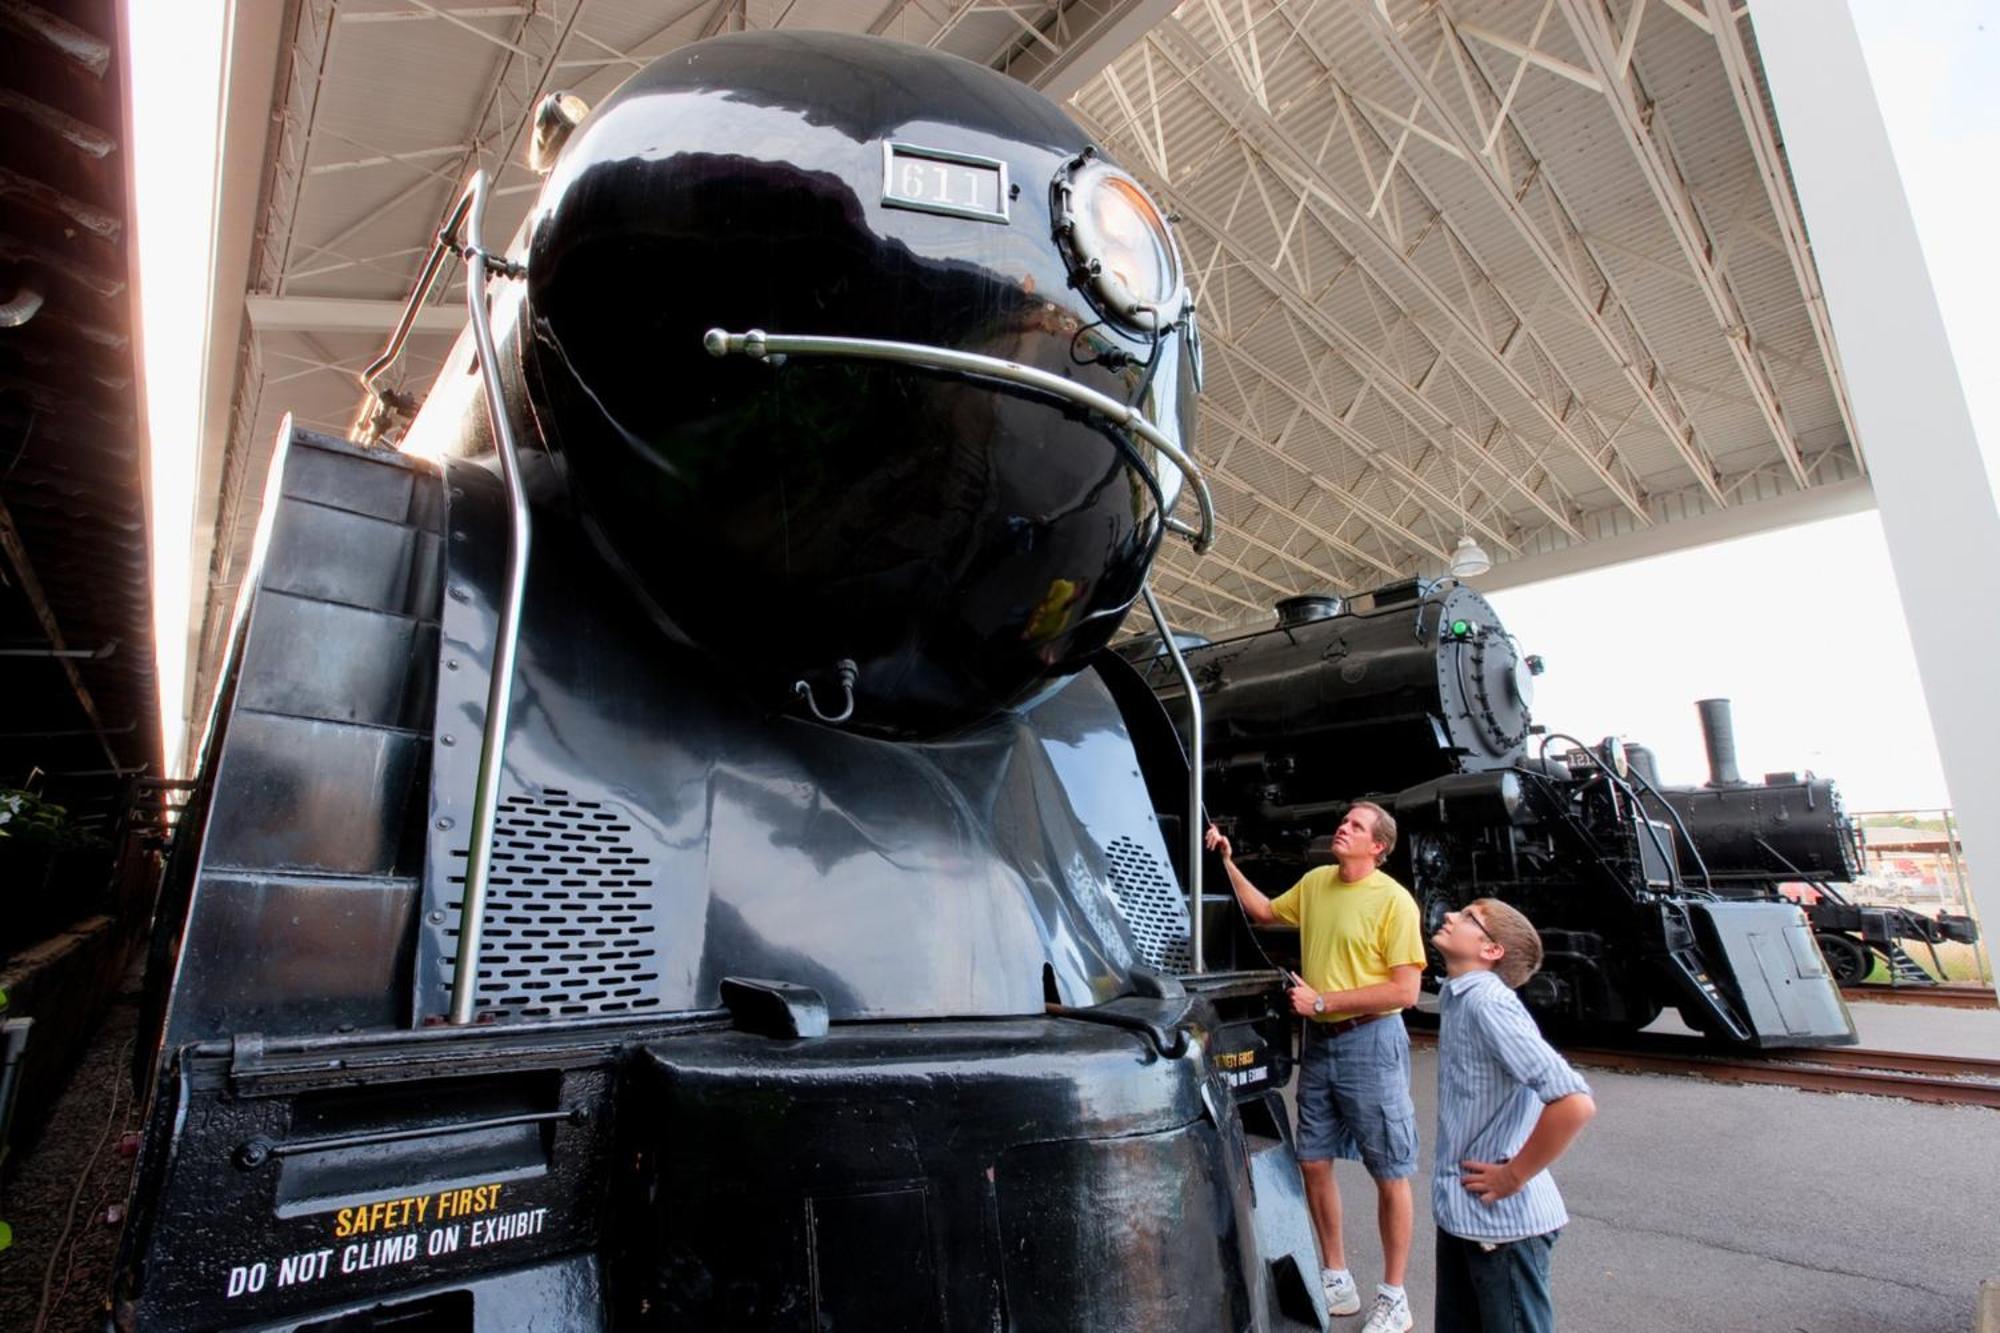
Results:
<point x="1924" y="1029"/>
<point x="1700" y="1206"/>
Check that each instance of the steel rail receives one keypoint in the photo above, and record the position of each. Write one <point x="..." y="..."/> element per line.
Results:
<point x="1937" y="1080"/>
<point x="1808" y="1077"/>
<point x="1946" y="996"/>
<point x="1901" y="1062"/>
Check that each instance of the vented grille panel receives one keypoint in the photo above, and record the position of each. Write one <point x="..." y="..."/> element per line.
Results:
<point x="1154" y="907"/>
<point x="571" y="922"/>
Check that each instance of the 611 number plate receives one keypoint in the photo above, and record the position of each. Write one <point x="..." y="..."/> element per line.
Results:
<point x="936" y="180"/>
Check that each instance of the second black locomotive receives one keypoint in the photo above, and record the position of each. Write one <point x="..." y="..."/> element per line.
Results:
<point x="1791" y="832"/>
<point x="1417" y="697"/>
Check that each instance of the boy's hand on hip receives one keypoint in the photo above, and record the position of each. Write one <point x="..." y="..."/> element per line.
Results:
<point x="1490" y="1182"/>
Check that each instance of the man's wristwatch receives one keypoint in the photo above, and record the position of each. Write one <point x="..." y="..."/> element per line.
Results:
<point x="1319" y="1003"/>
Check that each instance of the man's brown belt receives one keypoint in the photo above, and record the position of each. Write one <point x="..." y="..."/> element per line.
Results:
<point x="1348" y="1024"/>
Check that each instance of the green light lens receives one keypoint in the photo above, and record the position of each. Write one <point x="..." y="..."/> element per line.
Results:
<point x="1460" y="628"/>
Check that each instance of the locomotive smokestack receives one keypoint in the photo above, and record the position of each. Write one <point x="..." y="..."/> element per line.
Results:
<point x="1718" y="733"/>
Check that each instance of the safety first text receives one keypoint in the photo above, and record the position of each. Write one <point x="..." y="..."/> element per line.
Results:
<point x="423" y="1225"/>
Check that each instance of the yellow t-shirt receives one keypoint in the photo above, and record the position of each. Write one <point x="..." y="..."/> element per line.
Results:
<point x="1350" y="935"/>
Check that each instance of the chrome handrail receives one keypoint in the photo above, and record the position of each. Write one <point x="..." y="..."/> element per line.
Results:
<point x="1196" y="829"/>
<point x="507" y="635"/>
<point x="759" y="345"/>
<point x="446" y="243"/>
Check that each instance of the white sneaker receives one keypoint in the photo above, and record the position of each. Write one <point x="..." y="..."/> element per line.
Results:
<point x="1390" y="1315"/>
<point x="1342" y="1296"/>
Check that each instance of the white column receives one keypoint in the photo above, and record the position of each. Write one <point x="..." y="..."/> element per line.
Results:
<point x="1931" y="483"/>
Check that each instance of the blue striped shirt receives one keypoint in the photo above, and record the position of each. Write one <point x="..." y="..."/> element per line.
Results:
<point x="1495" y="1073"/>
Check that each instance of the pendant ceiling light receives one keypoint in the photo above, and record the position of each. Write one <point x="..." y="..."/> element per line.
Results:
<point x="1469" y="558"/>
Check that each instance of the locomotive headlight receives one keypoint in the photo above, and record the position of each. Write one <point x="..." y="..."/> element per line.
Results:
<point x="1522" y="677"/>
<point x="1118" y="245"/>
<point x="1137" y="257"/>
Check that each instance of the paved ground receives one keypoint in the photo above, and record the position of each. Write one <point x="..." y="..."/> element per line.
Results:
<point x="55" y="1277"/>
<point x="1695" y="1207"/>
<point x="1698" y="1207"/>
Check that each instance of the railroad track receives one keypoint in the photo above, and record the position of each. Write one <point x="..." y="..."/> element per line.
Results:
<point x="1949" y="995"/>
<point x="1939" y="1080"/>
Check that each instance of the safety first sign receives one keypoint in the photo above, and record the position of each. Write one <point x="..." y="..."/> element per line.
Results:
<point x="389" y="1232"/>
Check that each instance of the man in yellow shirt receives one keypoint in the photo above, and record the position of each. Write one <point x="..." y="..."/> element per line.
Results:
<point x="1361" y="951"/>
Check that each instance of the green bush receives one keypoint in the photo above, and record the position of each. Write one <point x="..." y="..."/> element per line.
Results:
<point x="53" y="869"/>
<point x="28" y="817"/>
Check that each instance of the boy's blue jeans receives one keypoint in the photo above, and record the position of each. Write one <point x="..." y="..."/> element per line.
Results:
<point x="1502" y="1290"/>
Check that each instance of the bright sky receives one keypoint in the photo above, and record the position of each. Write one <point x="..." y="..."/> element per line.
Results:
<point x="176" y="81"/>
<point x="1802" y="628"/>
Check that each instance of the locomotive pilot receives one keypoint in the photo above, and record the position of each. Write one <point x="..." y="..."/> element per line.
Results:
<point x="1361" y="952"/>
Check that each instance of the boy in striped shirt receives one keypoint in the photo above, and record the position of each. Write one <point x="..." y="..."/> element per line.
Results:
<point x="1508" y="1106"/>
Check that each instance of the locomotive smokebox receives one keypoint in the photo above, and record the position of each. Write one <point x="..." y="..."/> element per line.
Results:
<point x="963" y="541"/>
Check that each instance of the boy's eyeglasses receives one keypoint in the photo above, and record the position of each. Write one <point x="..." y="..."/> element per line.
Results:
<point x="1469" y="915"/>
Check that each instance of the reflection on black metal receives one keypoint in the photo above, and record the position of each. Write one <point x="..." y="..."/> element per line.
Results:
<point x="1196" y="825"/>
<point x="774" y="347"/>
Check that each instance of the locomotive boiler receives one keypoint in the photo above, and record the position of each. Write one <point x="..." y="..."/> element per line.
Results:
<point x="670" y="849"/>
<point x="1416" y="696"/>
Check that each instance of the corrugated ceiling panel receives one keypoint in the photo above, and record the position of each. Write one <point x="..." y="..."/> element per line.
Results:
<point x="1418" y="280"/>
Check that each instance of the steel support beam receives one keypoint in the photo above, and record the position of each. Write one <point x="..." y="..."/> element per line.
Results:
<point x="1182" y="51"/>
<point x="1185" y="605"/>
<point x="1370" y="454"/>
<point x="1196" y="581"/>
<point x="1671" y="417"/>
<point x="323" y="314"/>
<point x="1777" y="184"/>
<point x="1634" y="115"/>
<point x="1930" y="478"/>
<point x="1830" y="500"/>
<point x="1109" y="34"/>
<point x="1325" y="485"/>
<point x="1407" y="402"/>
<point x="31" y="588"/>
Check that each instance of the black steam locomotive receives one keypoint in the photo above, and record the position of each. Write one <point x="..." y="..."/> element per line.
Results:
<point x="1748" y="839"/>
<point x="1417" y="697"/>
<point x="672" y="849"/>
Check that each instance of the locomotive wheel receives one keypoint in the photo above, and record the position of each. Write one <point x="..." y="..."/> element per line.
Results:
<point x="1432" y="903"/>
<point x="1848" y="959"/>
<point x="1640" y="1012"/>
